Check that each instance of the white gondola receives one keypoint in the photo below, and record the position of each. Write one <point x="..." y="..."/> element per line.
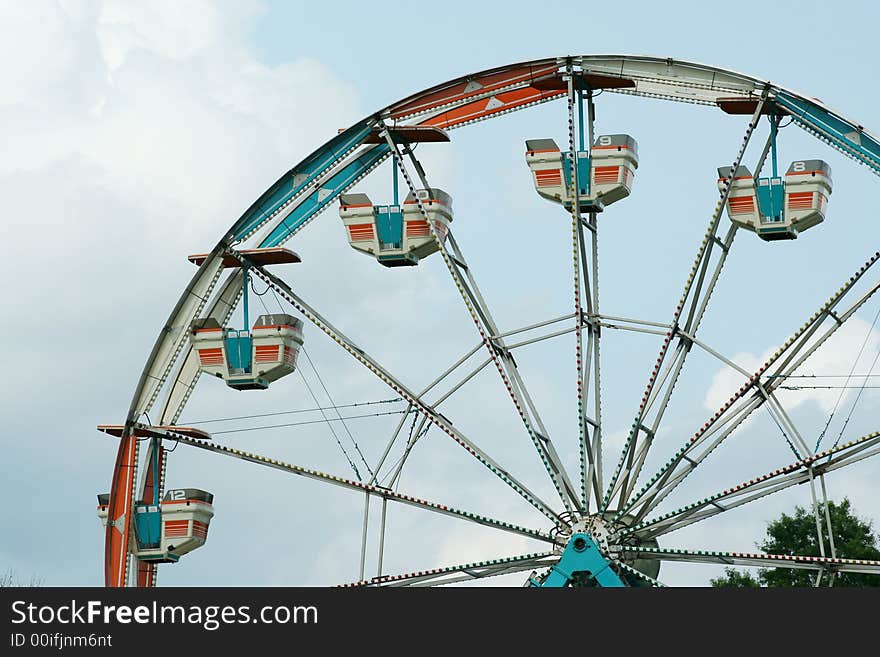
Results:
<point x="396" y="235"/>
<point x="249" y="360"/>
<point x="605" y="174"/>
<point x="778" y="209"/>
<point x="165" y="532"/>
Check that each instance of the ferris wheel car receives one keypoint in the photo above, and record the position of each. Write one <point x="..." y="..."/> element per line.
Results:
<point x="777" y="209"/>
<point x="396" y="235"/>
<point x="165" y="532"/>
<point x="249" y="360"/>
<point x="179" y="525"/>
<point x="103" y="508"/>
<point x="605" y="174"/>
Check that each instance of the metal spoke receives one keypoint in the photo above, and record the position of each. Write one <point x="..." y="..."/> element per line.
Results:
<point x="667" y="380"/>
<point x="369" y="489"/>
<point x="756" y="559"/>
<point x="364" y="538"/>
<point x="777" y="480"/>
<point x="382" y="537"/>
<point x="531" y="327"/>
<point x="639" y="326"/>
<point x="594" y="329"/>
<point x="828" y="522"/>
<point x="638" y="573"/>
<point x="787" y="359"/>
<point x="629" y="320"/>
<point x="590" y="465"/>
<point x="463" y="278"/>
<point x="590" y="375"/>
<point x="661" y="386"/>
<point x="474" y="570"/>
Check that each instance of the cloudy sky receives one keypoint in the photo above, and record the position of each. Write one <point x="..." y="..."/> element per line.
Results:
<point x="136" y="133"/>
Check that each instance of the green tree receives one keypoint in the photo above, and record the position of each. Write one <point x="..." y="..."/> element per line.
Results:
<point x="736" y="578"/>
<point x="796" y="534"/>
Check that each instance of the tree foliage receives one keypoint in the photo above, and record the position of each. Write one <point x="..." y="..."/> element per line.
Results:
<point x="736" y="578"/>
<point x="796" y="535"/>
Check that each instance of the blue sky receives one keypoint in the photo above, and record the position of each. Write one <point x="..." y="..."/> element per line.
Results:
<point x="137" y="134"/>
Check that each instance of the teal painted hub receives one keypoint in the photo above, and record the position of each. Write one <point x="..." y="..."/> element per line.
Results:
<point x="588" y="554"/>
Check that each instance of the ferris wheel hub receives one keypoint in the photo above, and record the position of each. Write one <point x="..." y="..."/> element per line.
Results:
<point x="602" y="529"/>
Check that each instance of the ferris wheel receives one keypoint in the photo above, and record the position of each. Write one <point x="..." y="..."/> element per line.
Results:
<point x="603" y="523"/>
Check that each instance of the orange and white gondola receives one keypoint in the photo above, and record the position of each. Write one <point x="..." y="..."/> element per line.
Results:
<point x="605" y="173"/>
<point x="166" y="531"/>
<point x="249" y="359"/>
<point x="777" y="208"/>
<point x="396" y="235"/>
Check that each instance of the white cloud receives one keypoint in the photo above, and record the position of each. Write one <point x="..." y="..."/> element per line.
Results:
<point x="142" y="128"/>
<point x="175" y="30"/>
<point x="166" y="100"/>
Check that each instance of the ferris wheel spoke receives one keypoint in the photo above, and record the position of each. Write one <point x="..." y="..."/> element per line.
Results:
<point x="496" y="571"/>
<point x="595" y="475"/>
<point x="663" y="386"/>
<point x="591" y="446"/>
<point x="284" y="290"/>
<point x="635" y="325"/>
<point x="637" y="573"/>
<point x="359" y="486"/>
<point x="794" y="352"/>
<point x="478" y="309"/>
<point x="590" y="374"/>
<point x="795" y="473"/>
<point x="695" y="299"/>
<point x="474" y="570"/>
<point x="755" y="559"/>
<point x="585" y="273"/>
